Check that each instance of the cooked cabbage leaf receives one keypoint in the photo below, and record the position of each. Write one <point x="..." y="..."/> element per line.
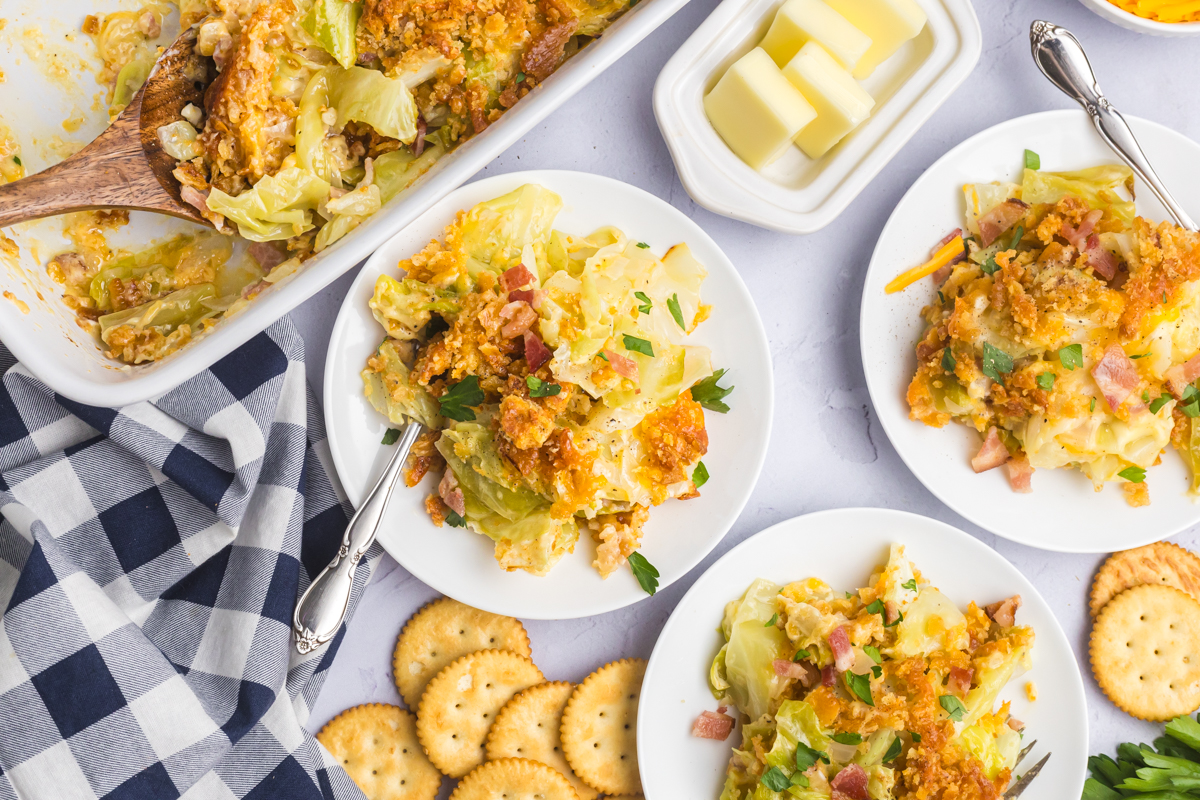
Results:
<point x="369" y="96"/>
<point x="1095" y="185"/>
<point x="495" y="233"/>
<point x="394" y="394"/>
<point x="405" y="306"/>
<point x="753" y="647"/>
<point x="277" y="207"/>
<point x="182" y="307"/>
<point x="333" y="24"/>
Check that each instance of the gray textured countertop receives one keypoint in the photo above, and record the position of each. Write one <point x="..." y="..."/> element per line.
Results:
<point x="828" y="449"/>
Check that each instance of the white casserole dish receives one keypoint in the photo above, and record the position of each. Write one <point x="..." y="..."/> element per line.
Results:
<point x="797" y="194"/>
<point x="49" y="78"/>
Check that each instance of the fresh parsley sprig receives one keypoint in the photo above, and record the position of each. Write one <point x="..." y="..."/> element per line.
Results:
<point x="635" y="345"/>
<point x="676" y="312"/>
<point x="457" y="401"/>
<point x="952" y="706"/>
<point x="711" y="396"/>
<point x="647" y="303"/>
<point x="644" y="571"/>
<point x="541" y="388"/>
<point x="699" y="475"/>
<point x="996" y="363"/>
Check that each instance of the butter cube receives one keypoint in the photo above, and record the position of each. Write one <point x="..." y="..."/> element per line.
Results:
<point x="889" y="23"/>
<point x="840" y="102"/>
<point x="800" y="21"/>
<point x="756" y="110"/>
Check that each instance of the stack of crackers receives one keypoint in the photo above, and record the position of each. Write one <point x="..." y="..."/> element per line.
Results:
<point x="488" y="717"/>
<point x="1145" y="645"/>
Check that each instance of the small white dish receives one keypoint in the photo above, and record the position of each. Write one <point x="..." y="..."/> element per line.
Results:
<point x="841" y="547"/>
<point x="460" y="563"/>
<point x="1063" y="513"/>
<point x="1133" y="22"/>
<point x="797" y="194"/>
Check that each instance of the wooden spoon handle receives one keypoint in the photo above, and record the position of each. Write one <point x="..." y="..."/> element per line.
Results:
<point x="111" y="172"/>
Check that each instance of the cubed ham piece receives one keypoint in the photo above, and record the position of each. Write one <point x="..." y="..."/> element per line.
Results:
<point x="1016" y="724"/>
<point x="1000" y="219"/>
<point x="843" y="654"/>
<point x="992" y="454"/>
<point x="1179" y="376"/>
<point x="625" y="367"/>
<point x="1099" y="259"/>
<point x="516" y="278"/>
<point x="418" y="145"/>
<point x="959" y="681"/>
<point x="194" y="198"/>
<point x="520" y="318"/>
<point x="851" y="783"/>
<point x="712" y="725"/>
<point x="828" y="676"/>
<point x="521" y="295"/>
<point x="1078" y="236"/>
<point x="536" y="352"/>
<point x="1004" y="613"/>
<point x="801" y="671"/>
<point x="1020" y="475"/>
<point x="451" y="493"/>
<point x="267" y="254"/>
<point x="1115" y="376"/>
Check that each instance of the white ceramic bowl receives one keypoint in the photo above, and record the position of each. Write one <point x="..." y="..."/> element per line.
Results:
<point x="460" y="563"/>
<point x="46" y="337"/>
<point x="841" y="547"/>
<point x="797" y="194"/>
<point x="1138" y="24"/>
<point x="1063" y="512"/>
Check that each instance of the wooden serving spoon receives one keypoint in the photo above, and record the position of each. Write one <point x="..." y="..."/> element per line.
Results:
<point x="126" y="166"/>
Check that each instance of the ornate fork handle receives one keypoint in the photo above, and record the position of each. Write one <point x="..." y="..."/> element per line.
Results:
<point x="1061" y="58"/>
<point x="323" y="606"/>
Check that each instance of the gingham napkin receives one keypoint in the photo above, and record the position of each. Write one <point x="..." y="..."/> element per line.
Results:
<point x="150" y="562"/>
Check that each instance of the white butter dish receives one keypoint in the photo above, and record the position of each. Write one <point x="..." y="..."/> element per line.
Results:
<point x="796" y="194"/>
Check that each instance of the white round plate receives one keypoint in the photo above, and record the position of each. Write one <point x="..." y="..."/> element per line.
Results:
<point x="1133" y="22"/>
<point x="841" y="547"/>
<point x="1063" y="512"/>
<point x="460" y="563"/>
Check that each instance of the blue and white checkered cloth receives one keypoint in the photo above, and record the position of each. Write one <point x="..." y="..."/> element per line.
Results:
<point x="150" y="561"/>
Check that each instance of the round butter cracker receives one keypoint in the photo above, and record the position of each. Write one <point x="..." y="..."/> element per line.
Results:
<point x="599" y="728"/>
<point x="1161" y="563"/>
<point x="443" y="631"/>
<point x="527" y="727"/>
<point x="377" y="746"/>
<point x="1145" y="651"/>
<point x="514" y="779"/>
<point x="460" y="704"/>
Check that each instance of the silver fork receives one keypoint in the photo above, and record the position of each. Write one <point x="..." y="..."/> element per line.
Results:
<point x="1022" y="783"/>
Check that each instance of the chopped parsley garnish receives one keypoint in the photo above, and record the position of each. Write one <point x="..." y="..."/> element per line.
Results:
<point x="635" y="345"/>
<point x="454" y="520"/>
<point x="873" y="652"/>
<point x="800" y="780"/>
<point x="875" y="607"/>
<point x="541" y="388"/>
<point x="953" y="706"/>
<point x="699" y="475"/>
<point x="808" y="652"/>
<point x="1016" y="239"/>
<point x="1032" y="160"/>
<point x="673" y="306"/>
<point x="989" y="267"/>
<point x="1190" y="402"/>
<point x="390" y="436"/>
<point x="949" y="362"/>
<point x="1092" y="405"/>
<point x="877" y="671"/>
<point x="916" y="737"/>
<point x="1158" y="403"/>
<point x="644" y="571"/>
<point x="17" y="160"/>
<point x="1071" y="356"/>
<point x="643" y="245"/>
<point x="893" y="750"/>
<point x="1133" y="474"/>
<point x="1046" y="380"/>
<point x="775" y="780"/>
<point x="646" y="302"/>
<point x="806" y="756"/>
<point x="847" y="738"/>
<point x="711" y="396"/>
<point x="941" y="297"/>
<point x="996" y="363"/>
<point x="520" y="77"/>
<point x="1145" y="396"/>
<point x="601" y="354"/>
<point x="910" y="584"/>
<point x="859" y="686"/>
<point x="895" y="622"/>
<point x="771" y="622"/>
<point x="457" y="400"/>
<point x="1141" y="355"/>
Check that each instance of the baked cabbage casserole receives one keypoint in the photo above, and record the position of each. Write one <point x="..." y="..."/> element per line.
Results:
<point x="317" y="113"/>
<point x="555" y="375"/>
<point x="1065" y="330"/>
<point x="887" y="692"/>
